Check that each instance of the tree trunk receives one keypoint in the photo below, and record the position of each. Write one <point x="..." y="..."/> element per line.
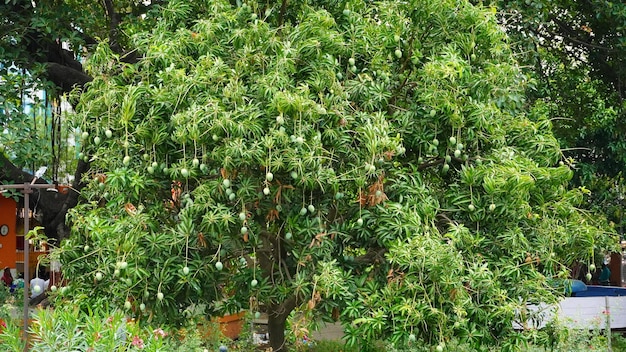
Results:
<point x="271" y="262"/>
<point x="276" y="320"/>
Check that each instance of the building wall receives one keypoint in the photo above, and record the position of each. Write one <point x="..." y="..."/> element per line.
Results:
<point x="8" y="243"/>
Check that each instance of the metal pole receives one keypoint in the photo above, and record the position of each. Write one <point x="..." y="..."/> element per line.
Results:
<point x="27" y="190"/>
<point x="608" y="311"/>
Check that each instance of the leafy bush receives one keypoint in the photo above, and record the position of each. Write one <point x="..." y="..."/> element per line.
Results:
<point x="69" y="329"/>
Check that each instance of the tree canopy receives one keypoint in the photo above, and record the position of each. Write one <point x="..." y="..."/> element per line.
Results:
<point x="575" y="51"/>
<point x="377" y="160"/>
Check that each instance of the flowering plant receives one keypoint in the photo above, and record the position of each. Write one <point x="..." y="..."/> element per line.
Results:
<point x="67" y="328"/>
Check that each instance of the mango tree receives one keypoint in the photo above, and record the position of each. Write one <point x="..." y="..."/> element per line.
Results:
<point x="372" y="162"/>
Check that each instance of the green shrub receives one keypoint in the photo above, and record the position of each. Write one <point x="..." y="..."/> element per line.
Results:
<point x="327" y="346"/>
<point x="67" y="328"/>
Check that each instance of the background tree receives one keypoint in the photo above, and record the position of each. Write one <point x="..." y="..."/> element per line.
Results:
<point x="371" y="159"/>
<point x="575" y="52"/>
<point x="39" y="53"/>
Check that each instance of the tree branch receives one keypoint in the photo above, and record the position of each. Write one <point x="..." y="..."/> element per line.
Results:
<point x="374" y="255"/>
<point x="281" y="15"/>
<point x="435" y="162"/>
<point x="114" y="21"/>
<point x="567" y="33"/>
<point x="65" y="77"/>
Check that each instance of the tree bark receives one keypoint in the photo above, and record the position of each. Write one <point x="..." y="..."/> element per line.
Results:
<point x="272" y="260"/>
<point x="276" y="321"/>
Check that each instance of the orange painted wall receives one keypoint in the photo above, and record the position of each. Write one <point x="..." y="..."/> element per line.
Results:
<point x="8" y="216"/>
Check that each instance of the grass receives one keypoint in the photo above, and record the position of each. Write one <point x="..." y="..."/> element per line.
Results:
<point x="327" y="346"/>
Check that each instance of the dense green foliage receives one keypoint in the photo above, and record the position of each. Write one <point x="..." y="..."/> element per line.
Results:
<point x="575" y="51"/>
<point x="374" y="159"/>
<point x="33" y="135"/>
